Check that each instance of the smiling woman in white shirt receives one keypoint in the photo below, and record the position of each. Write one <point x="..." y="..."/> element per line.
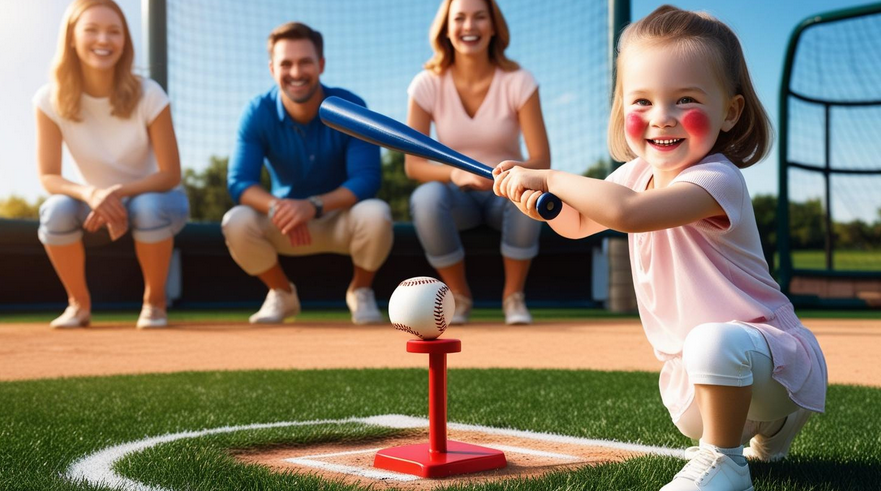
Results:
<point x="117" y="127"/>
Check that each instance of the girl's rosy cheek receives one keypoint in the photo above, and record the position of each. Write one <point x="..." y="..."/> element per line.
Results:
<point x="635" y="126"/>
<point x="696" y="123"/>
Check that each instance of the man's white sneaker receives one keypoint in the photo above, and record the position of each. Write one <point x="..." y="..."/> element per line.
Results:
<point x="515" y="310"/>
<point x="362" y="304"/>
<point x="278" y="306"/>
<point x="776" y="447"/>
<point x="462" y="311"/>
<point x="709" y="470"/>
<point x="72" y="317"/>
<point x="152" y="317"/>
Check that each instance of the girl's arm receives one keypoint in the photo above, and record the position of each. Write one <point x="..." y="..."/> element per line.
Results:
<point x="164" y="141"/>
<point x="597" y="203"/>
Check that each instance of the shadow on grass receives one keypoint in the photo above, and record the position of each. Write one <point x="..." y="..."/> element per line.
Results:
<point x="819" y="474"/>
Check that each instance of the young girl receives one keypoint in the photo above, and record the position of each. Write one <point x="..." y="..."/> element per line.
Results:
<point x="738" y="365"/>
<point x="480" y="102"/>
<point x="118" y="129"/>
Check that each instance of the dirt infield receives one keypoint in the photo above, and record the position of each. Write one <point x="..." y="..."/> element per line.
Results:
<point x="32" y="351"/>
<point x="526" y="458"/>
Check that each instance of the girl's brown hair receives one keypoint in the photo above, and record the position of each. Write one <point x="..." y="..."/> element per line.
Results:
<point x="68" y="73"/>
<point x="443" y="50"/>
<point x="716" y="44"/>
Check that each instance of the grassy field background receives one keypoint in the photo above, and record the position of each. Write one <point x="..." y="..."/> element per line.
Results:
<point x="842" y="260"/>
<point x="45" y="425"/>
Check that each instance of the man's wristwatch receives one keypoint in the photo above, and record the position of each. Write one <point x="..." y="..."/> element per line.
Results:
<point x="318" y="204"/>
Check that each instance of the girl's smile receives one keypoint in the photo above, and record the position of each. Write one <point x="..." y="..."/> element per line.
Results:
<point x="674" y="106"/>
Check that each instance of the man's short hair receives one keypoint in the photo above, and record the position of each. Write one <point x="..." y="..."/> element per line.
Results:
<point x="296" y="30"/>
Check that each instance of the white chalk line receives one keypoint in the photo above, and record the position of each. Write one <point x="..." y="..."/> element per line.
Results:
<point x="96" y="468"/>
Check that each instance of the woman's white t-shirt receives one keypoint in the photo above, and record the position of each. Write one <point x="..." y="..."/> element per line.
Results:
<point x="107" y="149"/>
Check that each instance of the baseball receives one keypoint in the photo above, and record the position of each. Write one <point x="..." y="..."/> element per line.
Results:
<point x="422" y="306"/>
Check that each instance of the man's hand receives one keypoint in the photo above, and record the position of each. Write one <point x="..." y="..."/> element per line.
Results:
<point x="468" y="181"/>
<point x="291" y="216"/>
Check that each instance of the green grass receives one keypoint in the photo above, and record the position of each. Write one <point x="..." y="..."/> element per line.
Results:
<point x="841" y="260"/>
<point x="47" y="424"/>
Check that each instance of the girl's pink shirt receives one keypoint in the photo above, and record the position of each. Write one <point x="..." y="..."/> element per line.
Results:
<point x="713" y="270"/>
<point x="493" y="133"/>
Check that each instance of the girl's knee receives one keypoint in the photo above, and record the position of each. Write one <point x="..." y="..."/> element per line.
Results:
<point x="718" y="354"/>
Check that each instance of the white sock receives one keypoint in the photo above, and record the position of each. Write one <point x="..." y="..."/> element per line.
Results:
<point x="734" y="453"/>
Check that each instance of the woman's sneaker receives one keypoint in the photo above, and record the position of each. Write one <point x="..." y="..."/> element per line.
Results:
<point x="776" y="447"/>
<point x="278" y="306"/>
<point x="709" y="470"/>
<point x="72" y="317"/>
<point x="515" y="309"/>
<point x="152" y="317"/>
<point x="463" y="310"/>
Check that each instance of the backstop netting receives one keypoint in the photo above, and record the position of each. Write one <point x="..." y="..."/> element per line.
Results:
<point x="830" y="160"/>
<point x="217" y="61"/>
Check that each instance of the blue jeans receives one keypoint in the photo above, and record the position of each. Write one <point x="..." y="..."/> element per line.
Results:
<point x="440" y="210"/>
<point x="153" y="217"/>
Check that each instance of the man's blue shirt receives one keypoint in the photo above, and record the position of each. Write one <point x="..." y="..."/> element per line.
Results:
<point x="303" y="159"/>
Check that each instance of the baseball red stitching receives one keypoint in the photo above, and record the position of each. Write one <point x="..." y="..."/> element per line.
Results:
<point x="402" y="327"/>
<point x="425" y="281"/>
<point x="439" y="319"/>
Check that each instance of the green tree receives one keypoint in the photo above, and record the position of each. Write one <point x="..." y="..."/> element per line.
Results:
<point x="206" y="190"/>
<point x="807" y="224"/>
<point x="765" y="209"/>
<point x="599" y="170"/>
<point x="17" y="207"/>
<point x="396" y="186"/>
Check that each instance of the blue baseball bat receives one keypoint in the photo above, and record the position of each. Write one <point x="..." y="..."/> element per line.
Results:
<point x="384" y="131"/>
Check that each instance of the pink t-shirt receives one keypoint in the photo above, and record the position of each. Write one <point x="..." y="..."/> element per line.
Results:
<point x="493" y="134"/>
<point x="713" y="270"/>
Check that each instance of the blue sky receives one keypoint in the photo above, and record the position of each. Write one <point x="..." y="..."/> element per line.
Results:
<point x="207" y="104"/>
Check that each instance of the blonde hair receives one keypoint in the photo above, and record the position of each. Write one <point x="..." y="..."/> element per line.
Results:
<point x="703" y="35"/>
<point x="68" y="73"/>
<point x="444" y="54"/>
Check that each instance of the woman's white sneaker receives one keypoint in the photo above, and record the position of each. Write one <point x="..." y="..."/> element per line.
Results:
<point x="72" y="317"/>
<point x="152" y="317"/>
<point x="515" y="309"/>
<point x="463" y="310"/>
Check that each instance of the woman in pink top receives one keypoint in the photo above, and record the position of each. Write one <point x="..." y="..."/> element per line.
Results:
<point x="480" y="103"/>
<point x="738" y="365"/>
